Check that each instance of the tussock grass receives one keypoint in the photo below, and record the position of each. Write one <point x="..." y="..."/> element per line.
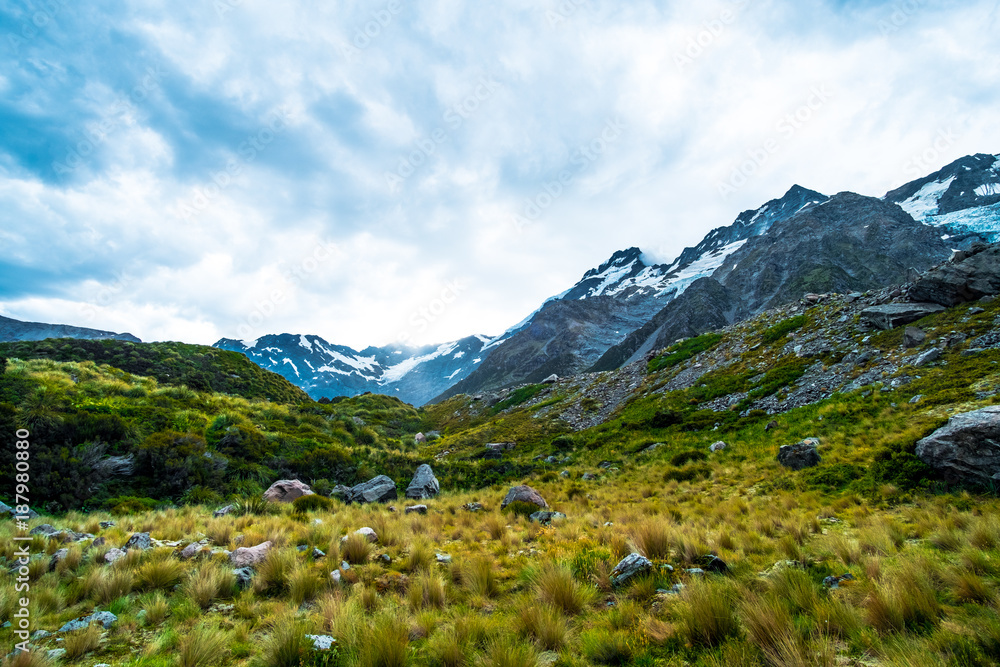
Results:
<point x="159" y="574"/>
<point x="556" y="585"/>
<point x="81" y="642"/>
<point x="209" y="582"/>
<point x="202" y="646"/>
<point x="356" y="549"/>
<point x="386" y="645"/>
<point x="545" y="624"/>
<point x="708" y="617"/>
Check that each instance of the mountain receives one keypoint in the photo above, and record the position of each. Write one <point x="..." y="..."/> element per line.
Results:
<point x="850" y="243"/>
<point x="15" y="330"/>
<point x="574" y="329"/>
<point x="324" y="370"/>
<point x="963" y="197"/>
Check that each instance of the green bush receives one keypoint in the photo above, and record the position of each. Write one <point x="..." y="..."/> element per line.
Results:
<point x="681" y="352"/>
<point x="688" y="473"/>
<point x="683" y="458"/>
<point x="782" y="329"/>
<point x="312" y="503"/>
<point x="521" y="508"/>
<point x="520" y="395"/>
<point x="124" y="505"/>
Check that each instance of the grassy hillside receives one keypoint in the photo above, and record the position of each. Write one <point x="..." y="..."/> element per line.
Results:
<point x="459" y="588"/>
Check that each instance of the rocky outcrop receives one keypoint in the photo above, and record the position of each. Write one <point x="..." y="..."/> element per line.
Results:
<point x="892" y="315"/>
<point x="15" y="330"/>
<point x="800" y="455"/>
<point x="287" y="490"/>
<point x="546" y="517"/>
<point x="969" y="279"/>
<point x="139" y="541"/>
<point x="105" y="618"/>
<point x="967" y="449"/>
<point x="424" y="484"/>
<point x="524" y="494"/>
<point x="380" y="489"/>
<point x="631" y="566"/>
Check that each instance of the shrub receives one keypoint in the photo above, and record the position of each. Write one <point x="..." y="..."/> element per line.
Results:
<point x="652" y="539"/>
<point x="304" y="584"/>
<point x="682" y="458"/>
<point x="605" y="647"/>
<point x="480" y="577"/>
<point x="274" y="573"/>
<point x="159" y="574"/>
<point x="708" y="619"/>
<point x="387" y="645"/>
<point x="252" y="505"/>
<point x="283" y="647"/>
<point x="126" y="505"/>
<point x="201" y="646"/>
<point x="688" y="473"/>
<point x="312" y="503"/>
<point x="506" y="651"/>
<point x="521" y="508"/>
<point x="782" y="329"/>
<point x="556" y="585"/>
<point x="156" y="608"/>
<point x="545" y="624"/>
<point x="356" y="549"/>
<point x="211" y="581"/>
<point x="81" y="642"/>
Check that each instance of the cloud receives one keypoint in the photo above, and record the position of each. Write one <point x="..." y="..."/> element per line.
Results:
<point x="175" y="170"/>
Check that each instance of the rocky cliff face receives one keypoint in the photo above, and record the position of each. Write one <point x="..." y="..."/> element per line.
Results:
<point x="15" y="330"/>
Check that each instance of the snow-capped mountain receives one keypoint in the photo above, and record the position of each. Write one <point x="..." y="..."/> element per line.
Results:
<point x="572" y="330"/>
<point x="961" y="198"/>
<point x="414" y="375"/>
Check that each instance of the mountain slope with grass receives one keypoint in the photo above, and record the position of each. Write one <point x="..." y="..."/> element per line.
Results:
<point x="16" y="330"/>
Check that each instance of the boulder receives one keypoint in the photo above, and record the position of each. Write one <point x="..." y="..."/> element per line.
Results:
<point x="501" y="446"/>
<point x="249" y="556"/>
<point x="56" y="557"/>
<point x="139" y="541"/>
<point x="287" y="490"/>
<point x="524" y="494"/>
<point x="416" y="509"/>
<point x="913" y="337"/>
<point x="892" y="315"/>
<point x="800" y="455"/>
<point x="113" y="555"/>
<point x="967" y="448"/>
<point x="712" y="563"/>
<point x="771" y="425"/>
<point x="44" y="529"/>
<point x="368" y="533"/>
<point x="717" y="446"/>
<point x="419" y="439"/>
<point x="552" y="379"/>
<point x="424" y="484"/>
<point x="472" y="507"/>
<point x="927" y="357"/>
<point x="228" y="509"/>
<point x="545" y="517"/>
<point x="631" y="566"/>
<point x="191" y="550"/>
<point x="966" y="279"/>
<point x="377" y="490"/>
<point x="244" y="576"/>
<point x="108" y="524"/>
<point x="105" y="618"/>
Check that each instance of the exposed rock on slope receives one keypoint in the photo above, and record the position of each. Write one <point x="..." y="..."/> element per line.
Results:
<point x="968" y="448"/>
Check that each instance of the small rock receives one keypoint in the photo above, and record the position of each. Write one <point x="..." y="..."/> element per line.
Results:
<point x="524" y="494"/>
<point x="316" y="554"/>
<point x="472" y="507"/>
<point x="696" y="572"/>
<point x="244" y="576"/>
<point x="712" y="563"/>
<point x="56" y="653"/>
<point x="321" y="642"/>
<point x="564" y="473"/>
<point x="335" y="576"/>
<point x="545" y="518"/>
<point x="631" y="566"/>
<point x="139" y="541"/>
<point x="501" y="446"/>
<point x="367" y="532"/>
<point x="419" y="439"/>
<point x="386" y="558"/>
<point x="913" y="337"/>
<point x="833" y="583"/>
<point x="771" y="425"/>
<point x="717" y="446"/>
<point x="344" y="565"/>
<point x="416" y="509"/>
<point x="191" y="550"/>
<point x="287" y="490"/>
<point x="113" y="555"/>
<point x="552" y="379"/>
<point x="107" y="524"/>
<point x="250" y="556"/>
<point x="917" y="398"/>
<point x="800" y="455"/>
<point x="442" y="558"/>
<point x="105" y="618"/>
<point x="40" y="634"/>
<point x="927" y="357"/>
<point x="589" y="476"/>
<point x="223" y="511"/>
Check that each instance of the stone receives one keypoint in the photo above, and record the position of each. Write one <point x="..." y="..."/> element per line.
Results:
<point x="551" y="460"/>
<point x="967" y="448"/>
<point x="501" y="446"/>
<point x="419" y="439"/>
<point x="975" y="310"/>
<point x="604" y="465"/>
<point x="444" y="559"/>
<point x="386" y="559"/>
<point x="40" y="634"/>
<point x="244" y="576"/>
<point x="321" y="642"/>
<point x="967" y="279"/>
<point x="472" y="507"/>
<point x="913" y="337"/>
<point x="113" y="555"/>
<point x="367" y="533"/>
<point x="717" y="446"/>
<point x="552" y="379"/>
<point x="833" y="583"/>
<point x="379" y="489"/>
<point x="653" y="447"/>
<point x="712" y="563"/>
<point x="917" y="398"/>
<point x="108" y="524"/>
<point x="524" y="494"/>
<point x="250" y="556"/>
<point x="335" y="576"/>
<point x="287" y="490"/>
<point x="800" y="455"/>
<point x="631" y="566"/>
<point x="564" y="473"/>
<point x="139" y="541"/>
<point x="696" y="572"/>
<point x="340" y="492"/>
<point x="545" y="518"/>
<point x="770" y="426"/>
<point x="191" y="550"/>
<point x="223" y="511"/>
<point x="44" y="529"/>
<point x="416" y="509"/>
<point x="105" y="618"/>
<point x="56" y="653"/>
<point x="892" y="315"/>
<point x="424" y="484"/>
<point x="589" y="476"/>
<point x="57" y="557"/>
<point x="927" y="357"/>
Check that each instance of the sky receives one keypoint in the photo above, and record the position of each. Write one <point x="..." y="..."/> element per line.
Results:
<point x="393" y="171"/>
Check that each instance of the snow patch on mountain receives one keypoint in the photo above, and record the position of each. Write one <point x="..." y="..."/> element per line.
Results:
<point x="924" y="203"/>
<point x="988" y="189"/>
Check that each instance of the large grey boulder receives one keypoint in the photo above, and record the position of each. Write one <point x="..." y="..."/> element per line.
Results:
<point x="139" y="541"/>
<point x="800" y="455"/>
<point x="249" y="556"/>
<point x="892" y="315"/>
<point x="424" y="485"/>
<point x="631" y="566"/>
<point x="957" y="282"/>
<point x="524" y="494"/>
<point x="377" y="490"/>
<point x="967" y="448"/>
<point x="287" y="490"/>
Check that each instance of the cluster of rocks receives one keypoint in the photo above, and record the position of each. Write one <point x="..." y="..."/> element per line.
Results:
<point x="379" y="489"/>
